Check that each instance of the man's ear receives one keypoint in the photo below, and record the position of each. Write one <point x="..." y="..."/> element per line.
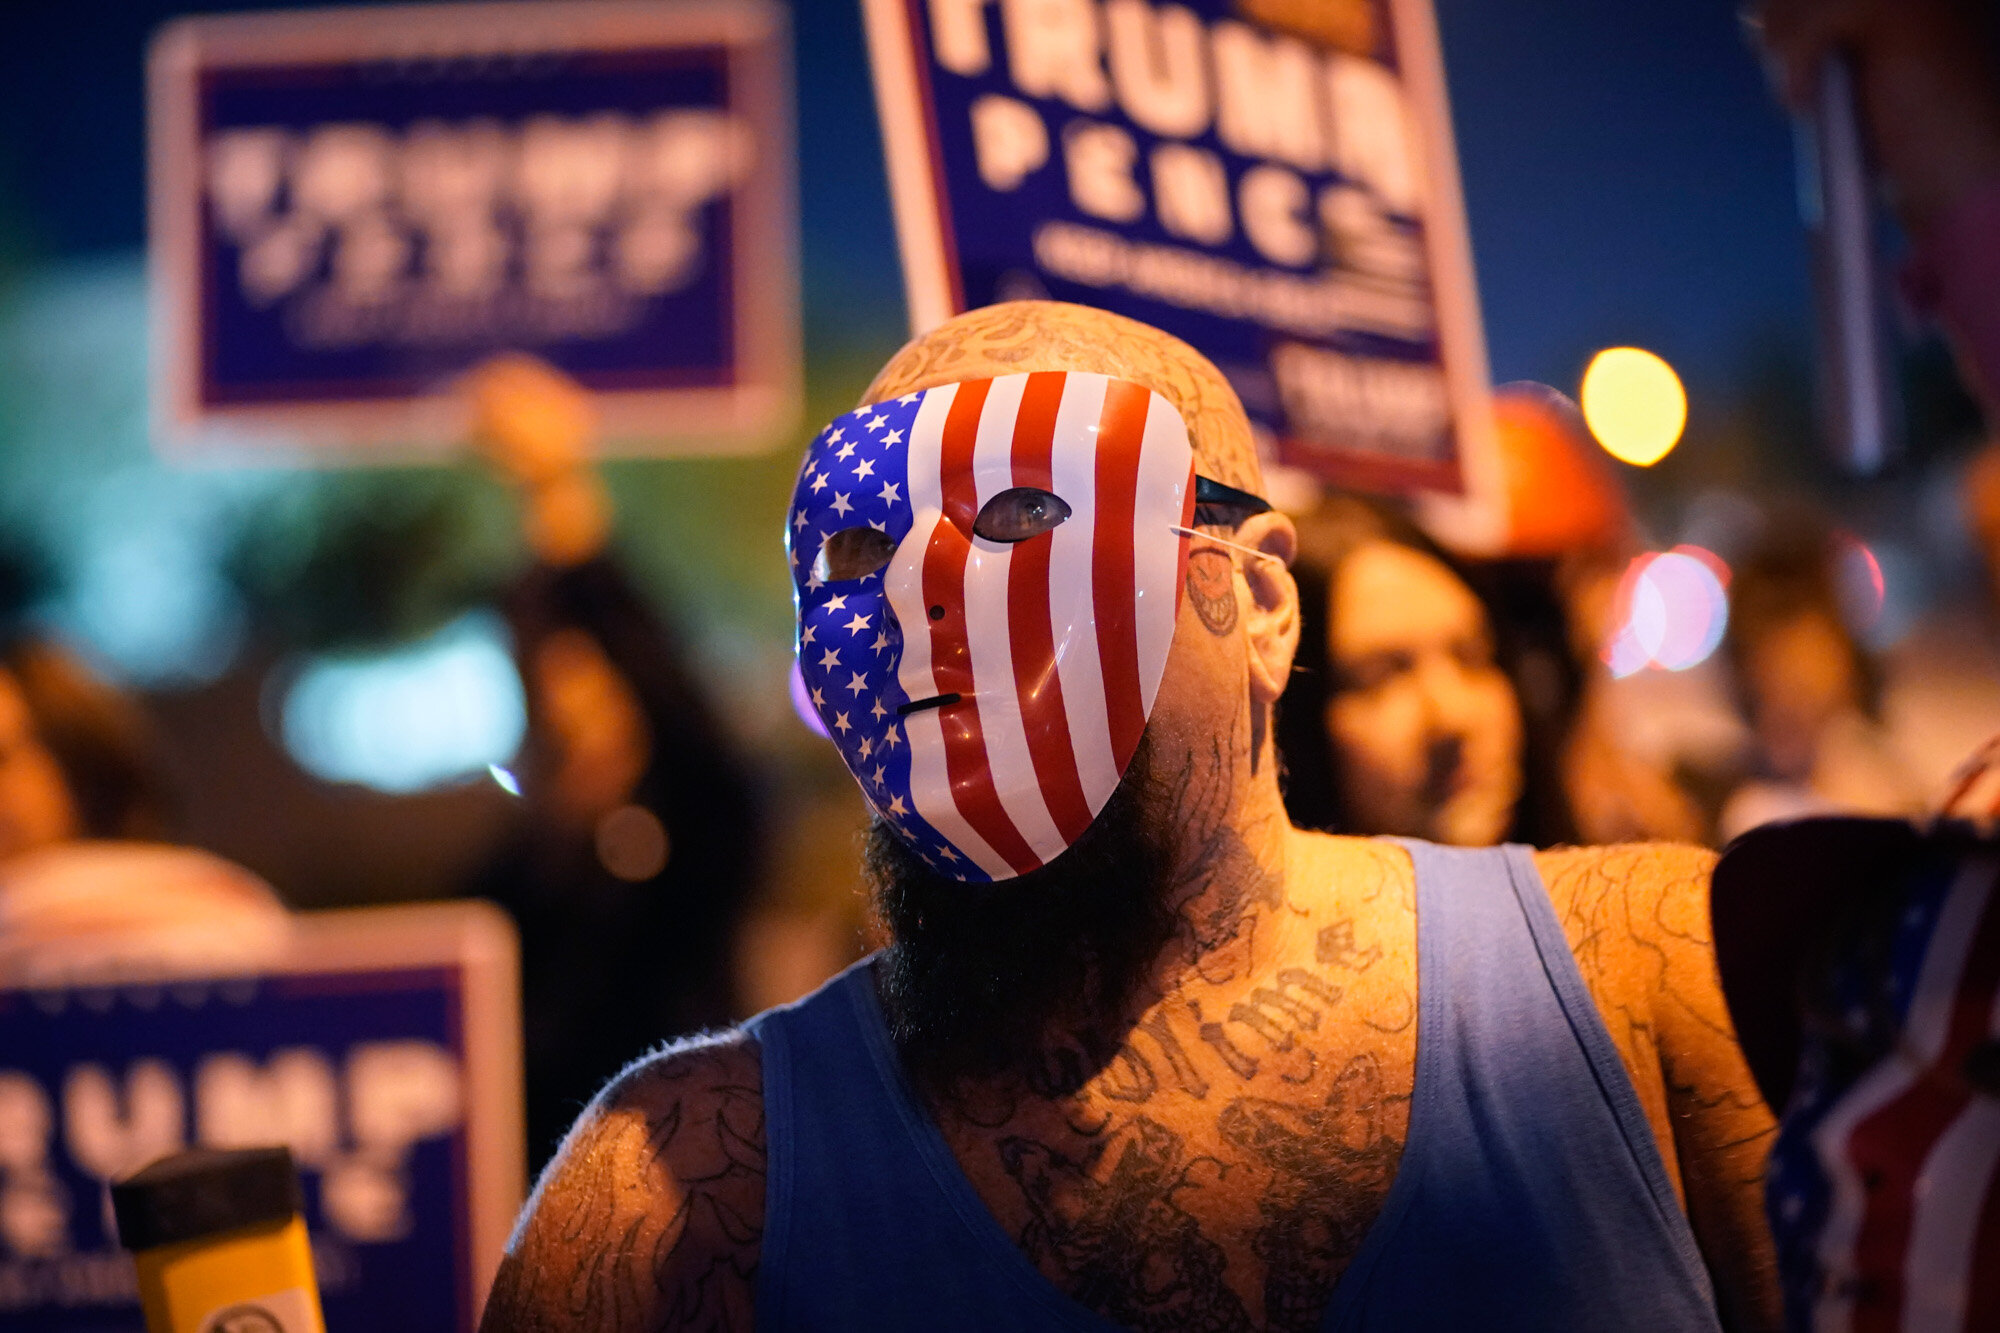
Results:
<point x="1272" y="623"/>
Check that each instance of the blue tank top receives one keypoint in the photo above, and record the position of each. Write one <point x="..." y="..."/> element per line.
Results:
<point x="1530" y="1194"/>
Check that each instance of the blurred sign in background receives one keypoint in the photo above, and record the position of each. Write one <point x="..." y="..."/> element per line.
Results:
<point x="1273" y="182"/>
<point x="384" y="1051"/>
<point x="350" y="207"/>
<point x="1627" y="179"/>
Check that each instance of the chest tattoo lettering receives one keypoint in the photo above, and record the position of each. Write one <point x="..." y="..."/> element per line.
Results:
<point x="1158" y="1213"/>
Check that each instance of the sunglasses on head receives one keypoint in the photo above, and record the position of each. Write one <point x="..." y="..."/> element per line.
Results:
<point x="1209" y="491"/>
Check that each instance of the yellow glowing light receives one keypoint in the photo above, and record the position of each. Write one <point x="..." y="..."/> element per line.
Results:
<point x="1634" y="405"/>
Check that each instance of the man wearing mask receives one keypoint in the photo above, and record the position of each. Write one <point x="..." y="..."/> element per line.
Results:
<point x="1139" y="1053"/>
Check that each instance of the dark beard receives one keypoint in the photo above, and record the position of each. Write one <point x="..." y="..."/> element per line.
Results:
<point x="1033" y="976"/>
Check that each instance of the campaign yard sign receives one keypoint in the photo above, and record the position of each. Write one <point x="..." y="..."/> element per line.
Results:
<point x="1272" y="180"/>
<point x="385" y="1052"/>
<point x="350" y="207"/>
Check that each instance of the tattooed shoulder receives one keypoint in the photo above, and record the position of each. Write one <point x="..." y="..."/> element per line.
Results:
<point x="1637" y="920"/>
<point x="1621" y="905"/>
<point x="652" y="1214"/>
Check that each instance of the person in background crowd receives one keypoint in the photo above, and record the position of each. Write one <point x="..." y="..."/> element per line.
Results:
<point x="1627" y="756"/>
<point x="1570" y="536"/>
<point x="87" y="887"/>
<point x="1808" y="689"/>
<point x="77" y="758"/>
<point x="1400" y="717"/>
<point x="1861" y="959"/>
<point x="638" y="844"/>
<point x="1941" y="678"/>
<point x="1159" y="1068"/>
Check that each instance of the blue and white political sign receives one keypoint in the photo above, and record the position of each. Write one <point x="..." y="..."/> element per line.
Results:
<point x="1271" y="180"/>
<point x="351" y="207"/>
<point x="385" y="1052"/>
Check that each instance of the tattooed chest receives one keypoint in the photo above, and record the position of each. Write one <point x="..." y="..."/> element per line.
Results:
<point x="1221" y="1171"/>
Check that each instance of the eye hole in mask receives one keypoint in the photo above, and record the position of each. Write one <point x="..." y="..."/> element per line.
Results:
<point x="1019" y="513"/>
<point x="853" y="553"/>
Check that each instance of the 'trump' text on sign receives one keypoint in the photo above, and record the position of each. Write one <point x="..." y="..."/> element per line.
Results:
<point x="383" y="1049"/>
<point x="1272" y="180"/>
<point x="350" y="207"/>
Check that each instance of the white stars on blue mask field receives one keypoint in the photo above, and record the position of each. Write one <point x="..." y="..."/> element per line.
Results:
<point x="856" y="474"/>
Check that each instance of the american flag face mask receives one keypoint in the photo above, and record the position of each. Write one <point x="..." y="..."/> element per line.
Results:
<point x="986" y="576"/>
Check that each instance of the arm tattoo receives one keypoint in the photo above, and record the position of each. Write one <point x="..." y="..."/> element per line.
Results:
<point x="652" y="1214"/>
<point x="1642" y="911"/>
<point x="1637" y="921"/>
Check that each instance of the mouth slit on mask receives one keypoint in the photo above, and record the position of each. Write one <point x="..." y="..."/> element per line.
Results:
<point x="935" y="701"/>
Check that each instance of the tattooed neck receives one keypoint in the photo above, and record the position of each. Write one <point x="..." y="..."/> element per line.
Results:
<point x="1215" y="1159"/>
<point x="1225" y="889"/>
<point x="1230" y="841"/>
<point x="1209" y="1149"/>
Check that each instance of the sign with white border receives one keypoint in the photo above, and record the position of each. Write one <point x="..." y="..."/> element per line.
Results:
<point x="351" y="207"/>
<point x="1273" y="181"/>
<point x="383" y="1047"/>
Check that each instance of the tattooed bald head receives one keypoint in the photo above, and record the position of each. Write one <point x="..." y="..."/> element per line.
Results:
<point x="1015" y="337"/>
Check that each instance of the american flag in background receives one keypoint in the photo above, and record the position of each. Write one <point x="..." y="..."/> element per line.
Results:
<point x="1055" y="645"/>
<point x="1882" y="1188"/>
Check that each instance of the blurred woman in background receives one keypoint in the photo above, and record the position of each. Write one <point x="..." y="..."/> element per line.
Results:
<point x="1808" y="689"/>
<point x="87" y="887"/>
<point x="77" y="758"/>
<point x="1401" y="717"/>
<point x="637" y="844"/>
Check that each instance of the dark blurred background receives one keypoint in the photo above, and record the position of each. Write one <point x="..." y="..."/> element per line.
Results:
<point x="1628" y="179"/>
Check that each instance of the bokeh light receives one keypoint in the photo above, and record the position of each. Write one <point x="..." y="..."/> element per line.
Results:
<point x="1634" y="404"/>
<point x="802" y="703"/>
<point x="1672" y="609"/>
<point x="1859" y="583"/>
<point x="1561" y="494"/>
<point x="426" y="715"/>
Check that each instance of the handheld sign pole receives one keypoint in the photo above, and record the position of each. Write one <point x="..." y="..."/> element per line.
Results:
<point x="1858" y="398"/>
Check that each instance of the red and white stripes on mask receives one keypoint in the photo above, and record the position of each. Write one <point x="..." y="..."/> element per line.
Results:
<point x="989" y="683"/>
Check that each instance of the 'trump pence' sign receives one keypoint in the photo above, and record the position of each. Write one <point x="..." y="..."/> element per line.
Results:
<point x="350" y="207"/>
<point x="1271" y="180"/>
<point x="385" y="1052"/>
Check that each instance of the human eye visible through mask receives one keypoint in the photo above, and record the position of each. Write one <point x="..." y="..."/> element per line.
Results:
<point x="854" y="553"/>
<point x="1019" y="513"/>
<point x="1052" y="562"/>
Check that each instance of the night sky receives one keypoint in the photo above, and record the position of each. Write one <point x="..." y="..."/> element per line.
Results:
<point x="1627" y="177"/>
